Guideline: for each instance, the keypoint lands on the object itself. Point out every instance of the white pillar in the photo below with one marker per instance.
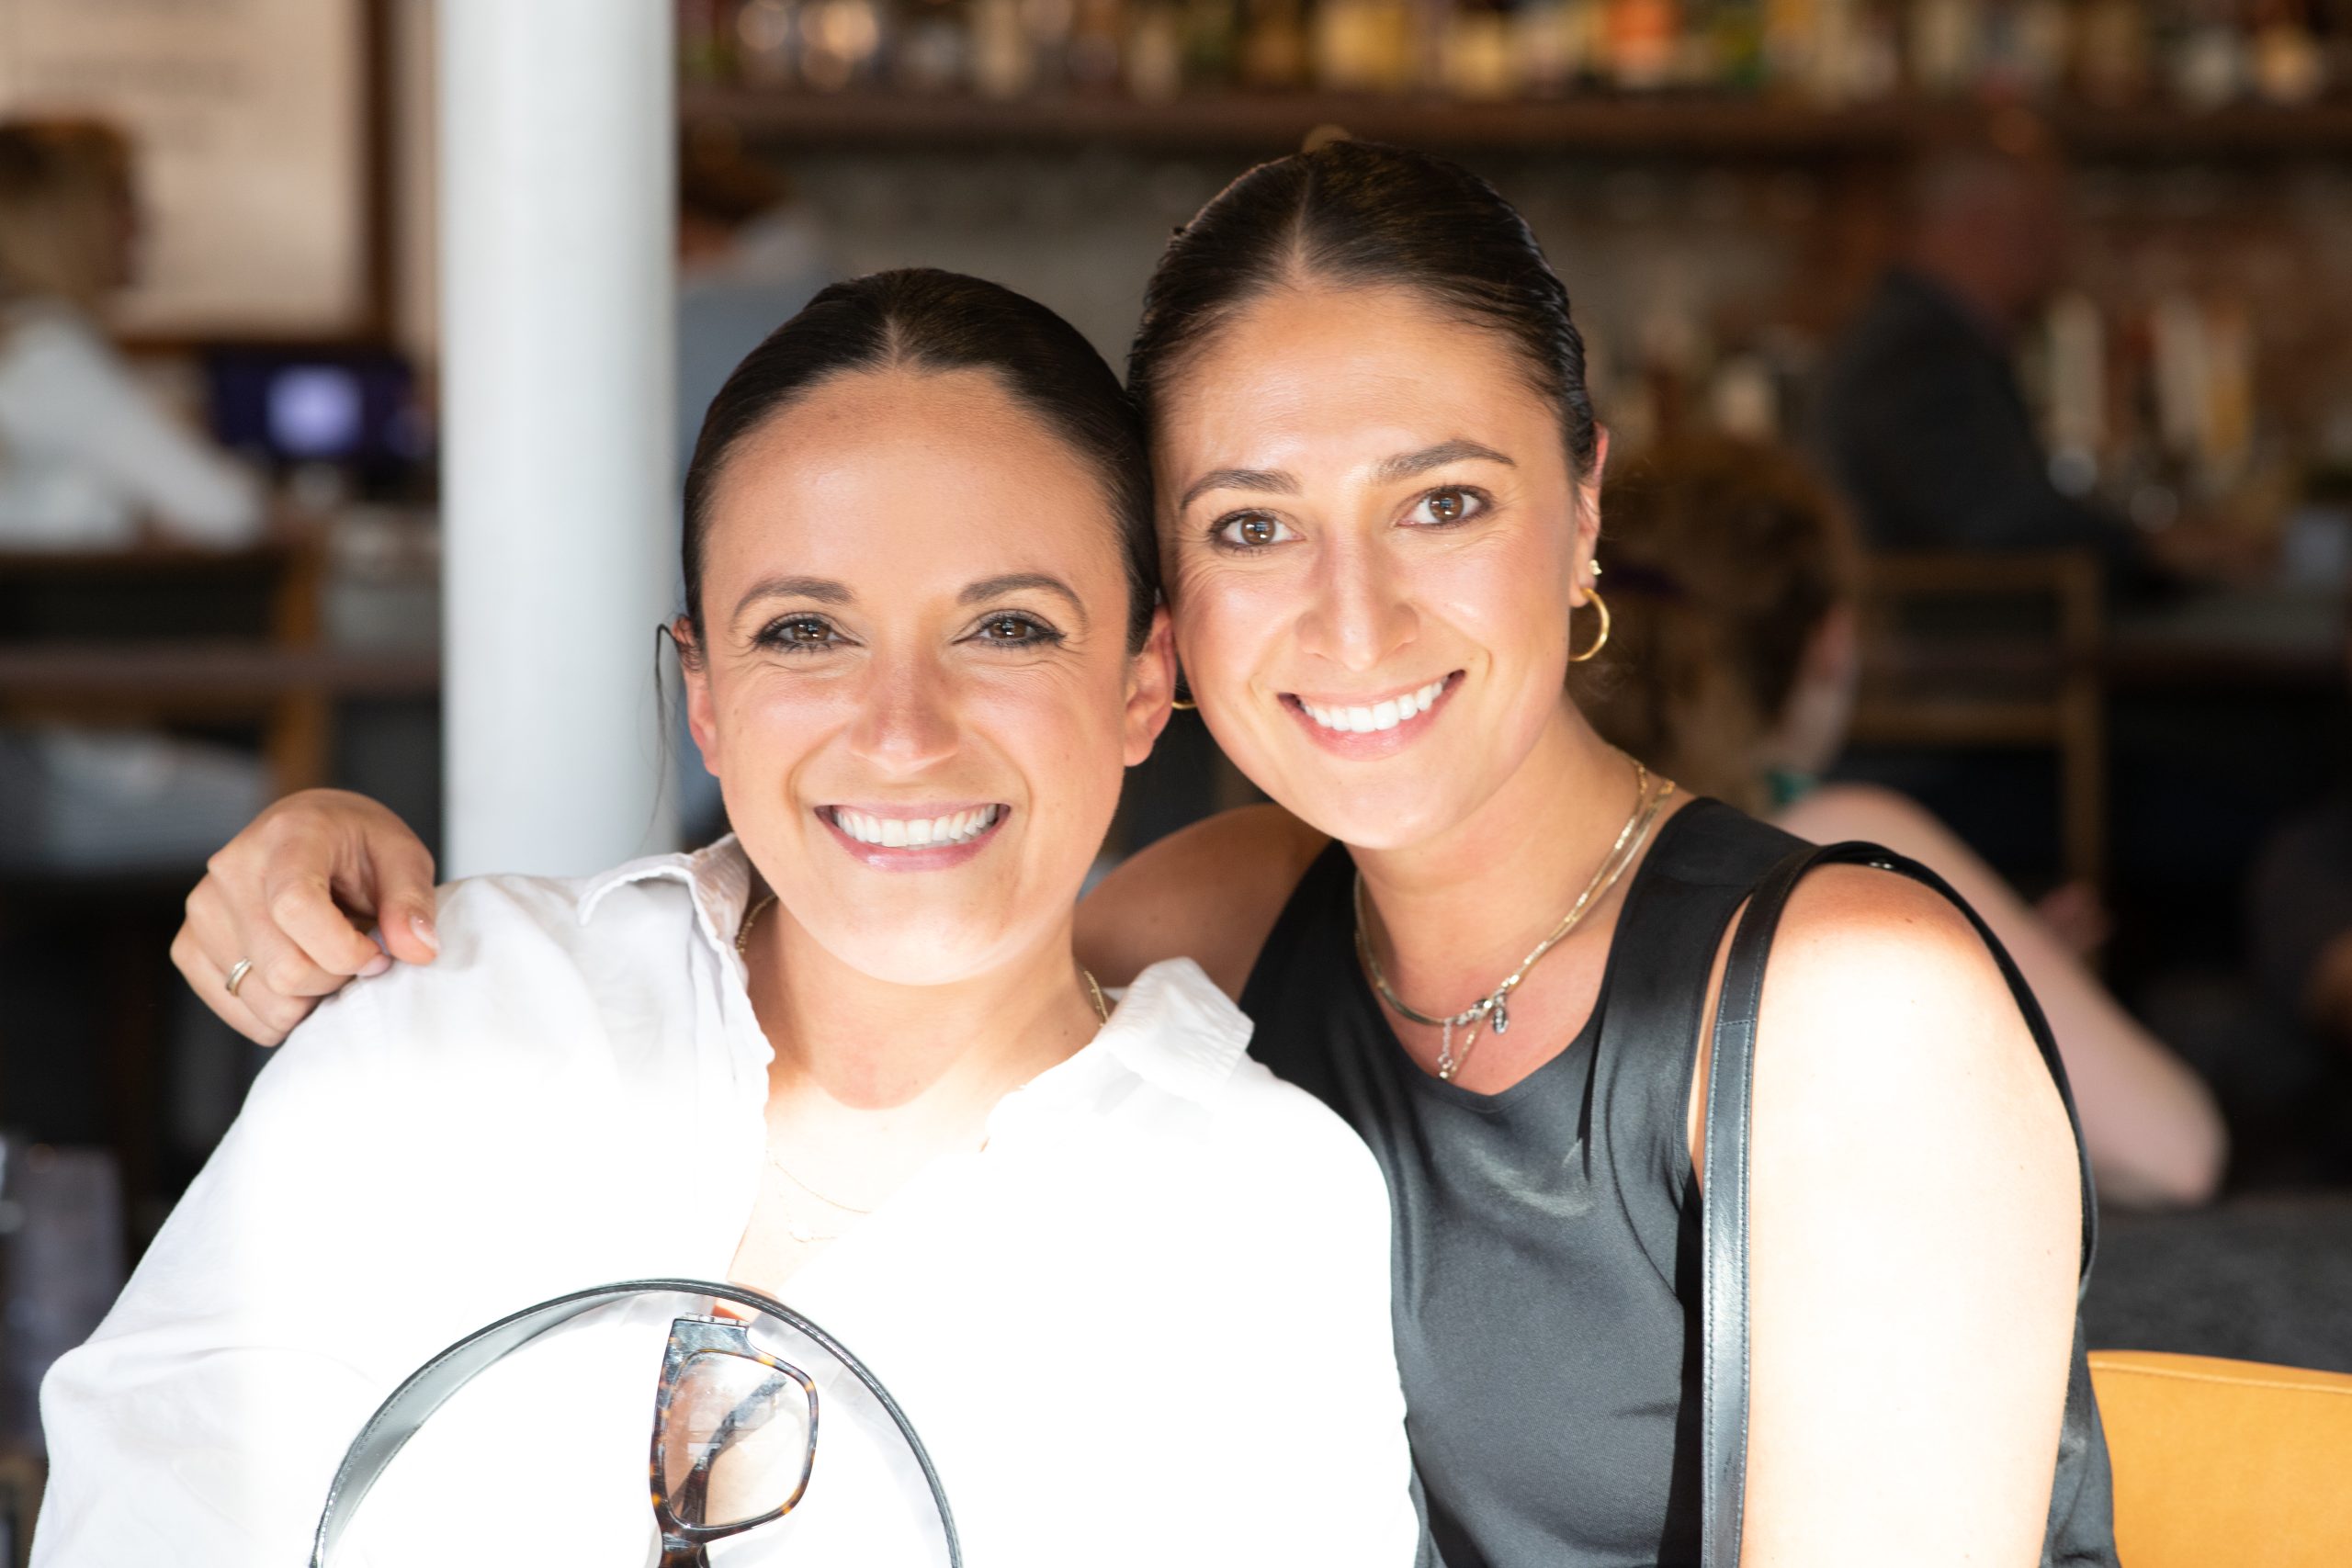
(557, 214)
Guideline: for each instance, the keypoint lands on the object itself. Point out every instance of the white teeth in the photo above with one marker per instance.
(1381, 716)
(914, 832)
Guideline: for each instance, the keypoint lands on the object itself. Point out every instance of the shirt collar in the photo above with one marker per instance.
(1176, 1031)
(719, 876)
(1172, 1028)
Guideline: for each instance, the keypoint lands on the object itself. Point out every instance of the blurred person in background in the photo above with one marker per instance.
(1734, 667)
(1922, 422)
(86, 455)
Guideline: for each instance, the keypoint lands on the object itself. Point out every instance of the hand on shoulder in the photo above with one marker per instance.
(291, 898)
(1210, 892)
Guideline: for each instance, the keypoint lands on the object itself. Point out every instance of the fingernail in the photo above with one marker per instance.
(375, 966)
(425, 932)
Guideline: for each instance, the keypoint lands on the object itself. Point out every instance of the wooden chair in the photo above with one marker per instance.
(2226, 1464)
(1966, 651)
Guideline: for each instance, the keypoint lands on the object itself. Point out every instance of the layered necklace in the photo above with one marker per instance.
(1495, 1006)
(806, 1235)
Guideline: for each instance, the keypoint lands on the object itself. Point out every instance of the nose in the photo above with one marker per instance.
(1361, 609)
(905, 714)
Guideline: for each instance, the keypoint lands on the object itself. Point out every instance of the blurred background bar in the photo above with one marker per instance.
(2053, 296)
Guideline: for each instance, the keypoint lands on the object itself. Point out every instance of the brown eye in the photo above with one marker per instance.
(1441, 507)
(1012, 630)
(808, 633)
(1250, 531)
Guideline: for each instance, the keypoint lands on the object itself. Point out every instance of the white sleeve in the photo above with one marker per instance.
(202, 1423)
(65, 395)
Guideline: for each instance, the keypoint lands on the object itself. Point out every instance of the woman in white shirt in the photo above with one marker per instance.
(1133, 1292)
(87, 456)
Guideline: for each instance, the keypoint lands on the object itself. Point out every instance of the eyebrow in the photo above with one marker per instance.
(824, 589)
(1404, 466)
(1266, 482)
(1015, 582)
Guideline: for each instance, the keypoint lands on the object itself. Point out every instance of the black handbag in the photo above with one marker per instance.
(2081, 1529)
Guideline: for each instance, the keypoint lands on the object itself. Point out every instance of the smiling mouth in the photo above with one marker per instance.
(1373, 718)
(949, 830)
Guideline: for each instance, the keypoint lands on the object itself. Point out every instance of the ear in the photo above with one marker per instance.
(1587, 540)
(1151, 687)
(695, 670)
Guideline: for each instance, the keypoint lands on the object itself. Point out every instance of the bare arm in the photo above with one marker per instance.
(2154, 1135)
(1916, 1219)
(1210, 892)
(296, 893)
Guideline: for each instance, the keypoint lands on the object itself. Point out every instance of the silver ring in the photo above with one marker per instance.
(237, 976)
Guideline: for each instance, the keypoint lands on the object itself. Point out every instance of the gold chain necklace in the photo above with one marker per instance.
(800, 1233)
(1496, 1004)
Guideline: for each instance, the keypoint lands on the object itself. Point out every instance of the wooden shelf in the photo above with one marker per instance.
(209, 676)
(1733, 128)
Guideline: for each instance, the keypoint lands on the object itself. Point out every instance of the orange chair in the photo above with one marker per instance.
(2226, 1464)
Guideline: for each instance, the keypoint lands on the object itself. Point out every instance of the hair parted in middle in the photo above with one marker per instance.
(1360, 214)
(926, 319)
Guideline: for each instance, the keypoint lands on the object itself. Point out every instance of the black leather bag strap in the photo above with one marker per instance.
(1722, 1473)
(1722, 1431)
(431, 1386)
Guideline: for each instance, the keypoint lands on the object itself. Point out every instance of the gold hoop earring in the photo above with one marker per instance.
(1602, 640)
(1181, 701)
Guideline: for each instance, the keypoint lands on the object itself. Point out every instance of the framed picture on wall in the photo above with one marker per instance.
(249, 123)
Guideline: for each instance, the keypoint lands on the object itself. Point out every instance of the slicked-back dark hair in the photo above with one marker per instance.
(922, 319)
(1362, 214)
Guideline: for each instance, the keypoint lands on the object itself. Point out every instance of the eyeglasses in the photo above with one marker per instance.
(734, 1438)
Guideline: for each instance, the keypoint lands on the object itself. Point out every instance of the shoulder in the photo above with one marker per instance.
(531, 966)
(1883, 1010)
(1270, 1142)
(1210, 892)
(48, 348)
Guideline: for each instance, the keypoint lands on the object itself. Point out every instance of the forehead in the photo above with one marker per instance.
(1327, 369)
(886, 469)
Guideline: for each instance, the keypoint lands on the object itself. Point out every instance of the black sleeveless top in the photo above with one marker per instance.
(1546, 1257)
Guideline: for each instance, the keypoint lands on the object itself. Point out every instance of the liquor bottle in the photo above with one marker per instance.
(1364, 46)
(841, 43)
(2111, 52)
(1642, 37)
(1097, 45)
(1548, 37)
(1477, 60)
(931, 48)
(704, 45)
(1004, 65)
(766, 33)
(1273, 45)
(1155, 53)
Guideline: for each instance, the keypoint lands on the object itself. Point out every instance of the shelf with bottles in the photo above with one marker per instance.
(2251, 72)
(1268, 123)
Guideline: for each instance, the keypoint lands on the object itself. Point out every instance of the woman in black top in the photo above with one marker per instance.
(1379, 486)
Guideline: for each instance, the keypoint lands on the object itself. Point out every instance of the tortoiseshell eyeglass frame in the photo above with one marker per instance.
(683, 1544)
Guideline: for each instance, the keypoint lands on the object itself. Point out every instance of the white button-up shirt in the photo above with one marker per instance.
(1148, 1324)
